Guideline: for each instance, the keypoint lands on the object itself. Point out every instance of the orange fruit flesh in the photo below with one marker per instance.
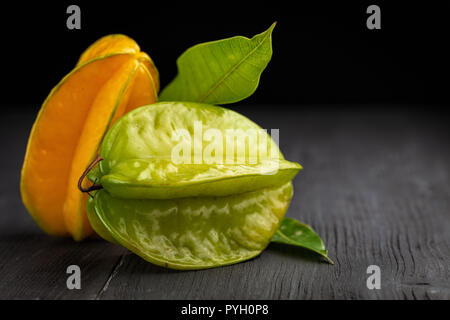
(69, 129)
(52, 142)
(110, 44)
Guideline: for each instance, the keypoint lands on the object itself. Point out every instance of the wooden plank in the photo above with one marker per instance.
(376, 187)
(33, 266)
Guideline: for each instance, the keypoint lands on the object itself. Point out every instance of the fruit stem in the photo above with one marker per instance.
(95, 186)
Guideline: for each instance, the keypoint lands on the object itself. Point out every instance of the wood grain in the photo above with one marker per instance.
(375, 186)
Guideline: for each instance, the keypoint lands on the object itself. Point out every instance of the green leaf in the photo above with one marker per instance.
(220, 72)
(295, 233)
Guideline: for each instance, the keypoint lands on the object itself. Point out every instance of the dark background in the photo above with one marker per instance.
(323, 52)
(363, 111)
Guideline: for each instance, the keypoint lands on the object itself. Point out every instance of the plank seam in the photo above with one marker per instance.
(113, 273)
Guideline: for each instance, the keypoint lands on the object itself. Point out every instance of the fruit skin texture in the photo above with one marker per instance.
(111, 78)
(186, 216)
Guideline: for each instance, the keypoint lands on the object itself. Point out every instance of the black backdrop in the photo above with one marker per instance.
(323, 52)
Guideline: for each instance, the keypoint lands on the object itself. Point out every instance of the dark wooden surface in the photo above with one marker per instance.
(375, 186)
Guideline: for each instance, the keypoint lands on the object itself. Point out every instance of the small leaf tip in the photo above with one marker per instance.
(272, 26)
